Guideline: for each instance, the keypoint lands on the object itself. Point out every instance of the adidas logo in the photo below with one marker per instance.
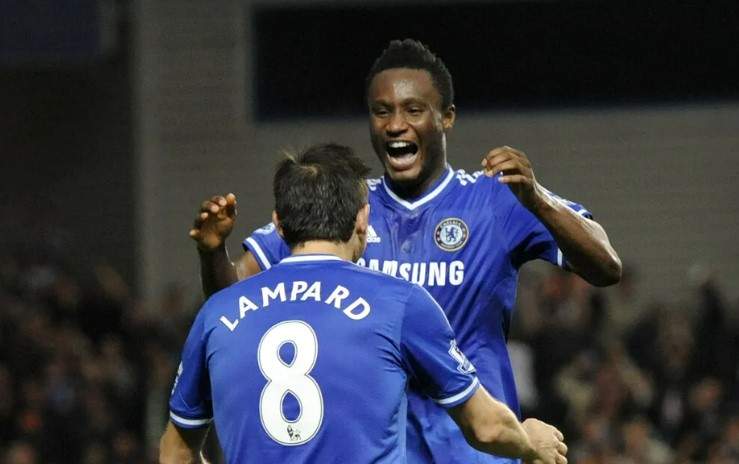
(372, 236)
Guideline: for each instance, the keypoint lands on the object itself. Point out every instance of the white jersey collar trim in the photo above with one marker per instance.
(424, 199)
(310, 258)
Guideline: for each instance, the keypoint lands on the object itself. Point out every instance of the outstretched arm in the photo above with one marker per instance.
(212, 226)
(583, 242)
(491, 427)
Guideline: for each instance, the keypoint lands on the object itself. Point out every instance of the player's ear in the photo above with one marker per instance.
(449, 116)
(276, 222)
(362, 220)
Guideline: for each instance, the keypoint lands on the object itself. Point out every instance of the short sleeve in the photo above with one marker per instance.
(431, 354)
(529, 239)
(267, 246)
(190, 404)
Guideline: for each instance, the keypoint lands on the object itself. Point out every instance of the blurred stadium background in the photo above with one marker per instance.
(119, 117)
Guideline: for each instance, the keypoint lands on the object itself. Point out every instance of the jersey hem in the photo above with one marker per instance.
(460, 397)
(188, 423)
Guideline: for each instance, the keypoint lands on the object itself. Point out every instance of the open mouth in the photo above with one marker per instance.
(401, 154)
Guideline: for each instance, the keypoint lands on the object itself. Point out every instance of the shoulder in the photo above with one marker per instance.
(477, 183)
(373, 183)
(482, 193)
(387, 285)
(227, 295)
(377, 276)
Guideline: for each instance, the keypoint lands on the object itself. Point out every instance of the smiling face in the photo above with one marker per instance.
(408, 128)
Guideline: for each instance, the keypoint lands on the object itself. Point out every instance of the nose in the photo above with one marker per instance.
(397, 124)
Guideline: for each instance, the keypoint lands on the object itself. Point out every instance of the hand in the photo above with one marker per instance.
(516, 172)
(548, 442)
(214, 222)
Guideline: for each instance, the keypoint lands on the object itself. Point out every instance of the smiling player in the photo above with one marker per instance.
(462, 236)
(308, 362)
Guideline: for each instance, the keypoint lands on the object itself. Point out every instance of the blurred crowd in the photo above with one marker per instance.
(85, 368)
(630, 381)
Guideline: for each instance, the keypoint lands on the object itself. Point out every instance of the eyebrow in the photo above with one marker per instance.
(407, 101)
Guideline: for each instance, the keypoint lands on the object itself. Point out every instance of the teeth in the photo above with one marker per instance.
(399, 144)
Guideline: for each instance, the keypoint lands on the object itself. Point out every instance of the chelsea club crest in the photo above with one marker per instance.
(451, 234)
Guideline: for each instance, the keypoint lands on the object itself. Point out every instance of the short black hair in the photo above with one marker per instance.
(319, 192)
(412, 54)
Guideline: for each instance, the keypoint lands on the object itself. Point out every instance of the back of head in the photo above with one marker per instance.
(319, 192)
(412, 54)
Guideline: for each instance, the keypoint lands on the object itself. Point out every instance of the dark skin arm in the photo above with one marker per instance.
(212, 226)
(583, 242)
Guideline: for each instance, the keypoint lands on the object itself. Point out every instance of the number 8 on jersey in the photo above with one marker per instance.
(283, 378)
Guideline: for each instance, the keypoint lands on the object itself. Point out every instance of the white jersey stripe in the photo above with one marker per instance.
(188, 422)
(310, 258)
(475, 383)
(425, 199)
(260, 254)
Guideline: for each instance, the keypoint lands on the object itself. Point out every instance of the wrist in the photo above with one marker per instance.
(530, 455)
(211, 250)
(542, 203)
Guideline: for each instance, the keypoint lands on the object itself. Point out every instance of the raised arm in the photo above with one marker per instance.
(583, 242)
(491, 427)
(212, 226)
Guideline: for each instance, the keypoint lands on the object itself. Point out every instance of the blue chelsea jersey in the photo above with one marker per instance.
(464, 241)
(309, 362)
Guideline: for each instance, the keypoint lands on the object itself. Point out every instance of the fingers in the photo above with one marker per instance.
(231, 205)
(514, 179)
(561, 447)
(199, 220)
(505, 159)
(218, 206)
(504, 152)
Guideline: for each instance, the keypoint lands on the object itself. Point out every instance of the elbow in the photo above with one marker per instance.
(608, 274)
(612, 272)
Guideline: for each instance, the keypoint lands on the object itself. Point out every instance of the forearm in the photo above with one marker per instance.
(490, 426)
(504, 436)
(182, 457)
(216, 270)
(181, 446)
(583, 242)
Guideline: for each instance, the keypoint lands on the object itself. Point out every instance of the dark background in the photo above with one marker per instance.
(503, 55)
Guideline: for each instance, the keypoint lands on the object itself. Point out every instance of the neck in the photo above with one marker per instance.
(341, 249)
(408, 191)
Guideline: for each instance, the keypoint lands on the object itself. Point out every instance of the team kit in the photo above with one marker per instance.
(418, 242)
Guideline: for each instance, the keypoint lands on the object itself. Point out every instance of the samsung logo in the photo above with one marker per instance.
(427, 274)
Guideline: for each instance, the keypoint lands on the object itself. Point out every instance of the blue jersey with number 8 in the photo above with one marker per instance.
(310, 361)
(464, 241)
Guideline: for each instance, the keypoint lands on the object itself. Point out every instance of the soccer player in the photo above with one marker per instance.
(308, 362)
(461, 236)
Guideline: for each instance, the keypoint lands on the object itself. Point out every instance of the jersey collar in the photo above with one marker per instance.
(310, 258)
(432, 193)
